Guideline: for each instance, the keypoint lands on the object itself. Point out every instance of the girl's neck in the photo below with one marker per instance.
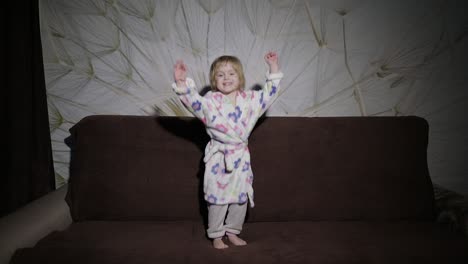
(232, 97)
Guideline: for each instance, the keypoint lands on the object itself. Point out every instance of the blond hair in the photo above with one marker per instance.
(223, 60)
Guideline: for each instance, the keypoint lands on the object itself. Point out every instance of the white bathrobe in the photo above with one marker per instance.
(228, 174)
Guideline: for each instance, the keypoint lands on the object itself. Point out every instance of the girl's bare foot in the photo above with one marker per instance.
(219, 244)
(235, 240)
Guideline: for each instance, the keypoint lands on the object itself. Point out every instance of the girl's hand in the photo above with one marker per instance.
(180, 73)
(271, 59)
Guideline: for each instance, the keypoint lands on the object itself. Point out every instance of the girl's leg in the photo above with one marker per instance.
(234, 221)
(216, 231)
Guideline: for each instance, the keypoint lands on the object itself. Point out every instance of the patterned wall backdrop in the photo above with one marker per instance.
(340, 58)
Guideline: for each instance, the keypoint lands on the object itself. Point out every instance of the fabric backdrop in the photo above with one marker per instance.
(340, 58)
(27, 166)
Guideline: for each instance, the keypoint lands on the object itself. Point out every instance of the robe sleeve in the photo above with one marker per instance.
(192, 100)
(269, 93)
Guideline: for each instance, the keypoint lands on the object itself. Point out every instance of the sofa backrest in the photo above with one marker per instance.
(323, 168)
(341, 168)
(136, 168)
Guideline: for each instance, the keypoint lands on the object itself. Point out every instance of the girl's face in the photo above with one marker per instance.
(227, 79)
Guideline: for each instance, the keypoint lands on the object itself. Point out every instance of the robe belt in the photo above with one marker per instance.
(231, 151)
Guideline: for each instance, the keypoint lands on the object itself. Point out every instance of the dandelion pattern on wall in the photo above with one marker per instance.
(339, 57)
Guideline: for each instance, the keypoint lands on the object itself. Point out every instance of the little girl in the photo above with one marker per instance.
(229, 114)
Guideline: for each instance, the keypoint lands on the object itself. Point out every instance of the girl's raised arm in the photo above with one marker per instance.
(180, 73)
(271, 88)
(185, 89)
(271, 59)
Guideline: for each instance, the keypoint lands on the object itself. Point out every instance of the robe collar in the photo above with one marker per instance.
(232, 114)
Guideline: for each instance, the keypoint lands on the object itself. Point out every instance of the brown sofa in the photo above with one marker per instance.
(327, 190)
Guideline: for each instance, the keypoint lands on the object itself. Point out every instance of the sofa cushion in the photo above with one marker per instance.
(356, 242)
(136, 168)
(112, 242)
(341, 168)
(272, 242)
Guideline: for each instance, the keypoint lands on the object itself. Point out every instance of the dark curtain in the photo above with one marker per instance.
(28, 162)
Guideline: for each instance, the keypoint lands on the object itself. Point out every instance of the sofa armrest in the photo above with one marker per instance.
(451, 209)
(26, 226)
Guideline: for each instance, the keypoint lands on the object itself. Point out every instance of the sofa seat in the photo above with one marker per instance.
(269, 242)
(356, 242)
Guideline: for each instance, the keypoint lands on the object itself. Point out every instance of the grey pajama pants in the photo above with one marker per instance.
(219, 223)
